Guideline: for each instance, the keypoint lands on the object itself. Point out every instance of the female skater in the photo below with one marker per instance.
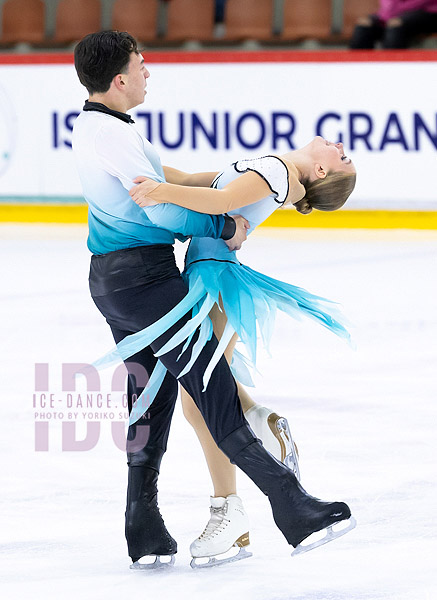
(237, 298)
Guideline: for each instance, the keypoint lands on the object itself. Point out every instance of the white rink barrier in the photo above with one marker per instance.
(206, 109)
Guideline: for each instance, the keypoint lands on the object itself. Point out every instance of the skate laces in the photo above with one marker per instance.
(217, 523)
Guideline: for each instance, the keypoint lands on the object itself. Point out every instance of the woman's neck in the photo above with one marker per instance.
(301, 162)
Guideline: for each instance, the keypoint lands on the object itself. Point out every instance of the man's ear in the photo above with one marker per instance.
(119, 82)
(320, 171)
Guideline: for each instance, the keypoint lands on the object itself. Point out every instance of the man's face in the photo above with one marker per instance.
(136, 80)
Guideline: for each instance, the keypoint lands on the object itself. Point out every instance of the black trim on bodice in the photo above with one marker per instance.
(215, 260)
(262, 176)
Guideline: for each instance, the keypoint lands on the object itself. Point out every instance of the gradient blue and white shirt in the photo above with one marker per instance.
(109, 154)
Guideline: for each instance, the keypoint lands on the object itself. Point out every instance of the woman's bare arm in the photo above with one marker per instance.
(192, 179)
(246, 189)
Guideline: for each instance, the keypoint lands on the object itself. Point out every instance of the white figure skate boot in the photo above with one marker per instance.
(274, 432)
(228, 528)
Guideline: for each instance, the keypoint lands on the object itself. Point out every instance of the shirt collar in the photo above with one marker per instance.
(97, 106)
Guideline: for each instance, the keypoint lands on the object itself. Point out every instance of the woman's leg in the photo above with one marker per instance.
(270, 427)
(245, 399)
(226, 506)
(267, 425)
(223, 473)
(228, 525)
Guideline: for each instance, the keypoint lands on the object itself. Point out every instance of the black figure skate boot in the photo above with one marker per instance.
(296, 513)
(146, 533)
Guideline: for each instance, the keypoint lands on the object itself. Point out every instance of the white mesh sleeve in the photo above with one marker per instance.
(272, 170)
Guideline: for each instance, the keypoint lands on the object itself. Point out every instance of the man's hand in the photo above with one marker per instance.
(139, 193)
(240, 236)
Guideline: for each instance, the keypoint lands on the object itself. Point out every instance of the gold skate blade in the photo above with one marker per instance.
(220, 559)
(157, 563)
(330, 535)
(289, 454)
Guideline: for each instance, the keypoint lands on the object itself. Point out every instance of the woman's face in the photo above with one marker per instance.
(330, 156)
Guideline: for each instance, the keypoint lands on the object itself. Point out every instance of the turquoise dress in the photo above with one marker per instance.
(250, 299)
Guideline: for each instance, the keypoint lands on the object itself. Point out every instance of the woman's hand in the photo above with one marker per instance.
(140, 192)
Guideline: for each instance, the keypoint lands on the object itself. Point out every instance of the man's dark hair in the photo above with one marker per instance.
(100, 56)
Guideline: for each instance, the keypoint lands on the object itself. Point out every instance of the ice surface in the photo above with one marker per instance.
(364, 421)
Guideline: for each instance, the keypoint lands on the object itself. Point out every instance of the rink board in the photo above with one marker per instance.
(360, 98)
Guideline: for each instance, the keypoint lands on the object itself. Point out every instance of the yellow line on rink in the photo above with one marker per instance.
(355, 219)
(44, 213)
(343, 219)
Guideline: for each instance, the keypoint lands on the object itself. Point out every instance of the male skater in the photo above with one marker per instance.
(134, 282)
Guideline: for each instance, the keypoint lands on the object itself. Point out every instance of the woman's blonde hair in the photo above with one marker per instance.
(327, 194)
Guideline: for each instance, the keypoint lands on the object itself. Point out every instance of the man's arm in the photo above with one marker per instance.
(186, 222)
(131, 159)
(233, 230)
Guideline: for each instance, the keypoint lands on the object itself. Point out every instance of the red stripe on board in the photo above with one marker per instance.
(232, 56)
(36, 59)
(292, 56)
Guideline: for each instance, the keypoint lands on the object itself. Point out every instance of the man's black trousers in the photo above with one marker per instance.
(133, 288)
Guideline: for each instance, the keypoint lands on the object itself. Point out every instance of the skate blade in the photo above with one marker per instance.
(330, 536)
(156, 564)
(213, 561)
(289, 456)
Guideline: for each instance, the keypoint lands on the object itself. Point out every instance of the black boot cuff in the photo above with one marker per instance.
(147, 457)
(237, 441)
